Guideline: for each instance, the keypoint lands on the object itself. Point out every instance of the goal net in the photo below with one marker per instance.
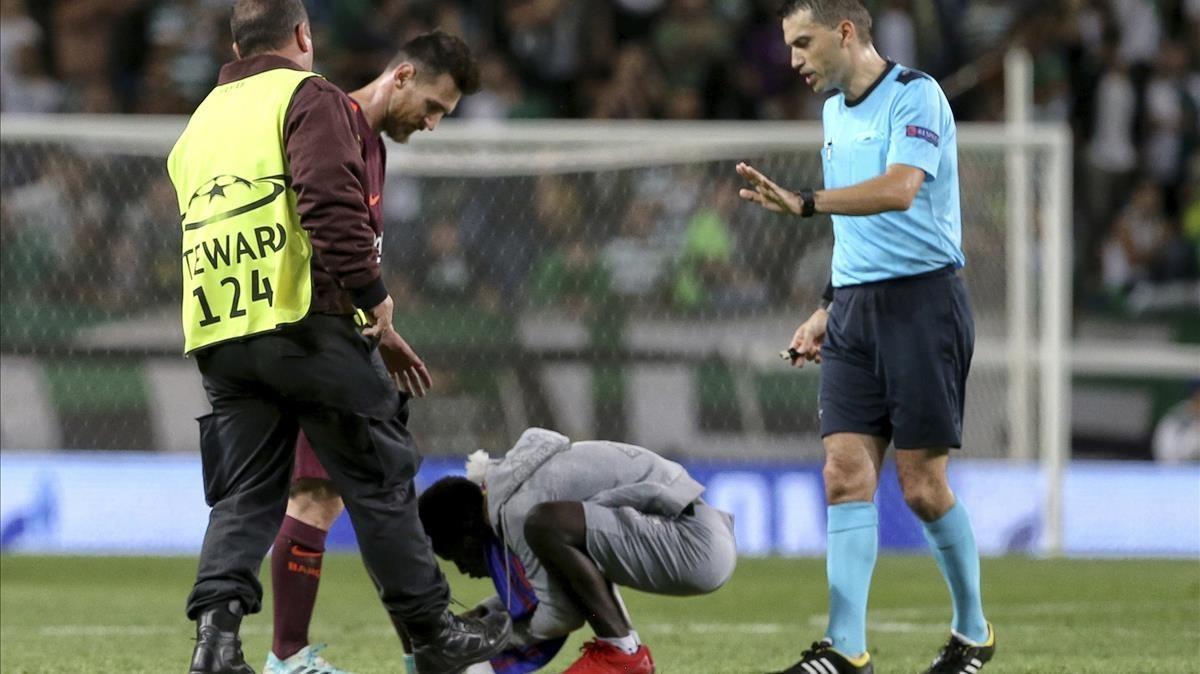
(599, 278)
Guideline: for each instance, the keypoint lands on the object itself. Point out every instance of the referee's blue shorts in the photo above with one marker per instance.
(895, 360)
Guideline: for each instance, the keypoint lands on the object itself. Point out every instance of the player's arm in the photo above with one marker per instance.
(328, 174)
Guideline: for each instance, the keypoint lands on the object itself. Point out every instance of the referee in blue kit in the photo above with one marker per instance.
(895, 334)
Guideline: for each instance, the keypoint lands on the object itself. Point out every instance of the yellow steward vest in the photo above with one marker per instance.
(246, 259)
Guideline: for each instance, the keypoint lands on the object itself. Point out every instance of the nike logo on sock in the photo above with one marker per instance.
(301, 552)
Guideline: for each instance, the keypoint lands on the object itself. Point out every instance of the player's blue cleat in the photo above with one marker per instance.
(821, 658)
(304, 661)
(961, 657)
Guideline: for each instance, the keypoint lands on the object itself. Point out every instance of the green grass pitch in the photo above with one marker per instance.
(78, 614)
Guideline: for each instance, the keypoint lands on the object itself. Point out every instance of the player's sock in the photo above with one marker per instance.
(953, 544)
(628, 643)
(295, 575)
(853, 544)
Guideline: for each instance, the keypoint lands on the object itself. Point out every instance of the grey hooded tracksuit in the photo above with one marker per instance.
(646, 525)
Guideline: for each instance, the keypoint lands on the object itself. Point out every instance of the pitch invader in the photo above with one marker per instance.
(558, 525)
(895, 333)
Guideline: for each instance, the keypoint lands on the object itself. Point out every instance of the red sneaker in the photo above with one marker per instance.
(601, 657)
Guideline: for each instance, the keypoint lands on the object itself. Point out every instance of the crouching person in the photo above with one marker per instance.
(558, 525)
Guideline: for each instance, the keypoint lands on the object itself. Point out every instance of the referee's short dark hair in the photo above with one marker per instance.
(440, 53)
(264, 25)
(830, 13)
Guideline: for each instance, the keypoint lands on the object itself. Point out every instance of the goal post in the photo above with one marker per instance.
(682, 357)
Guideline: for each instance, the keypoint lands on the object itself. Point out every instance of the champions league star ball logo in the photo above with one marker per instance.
(218, 186)
(226, 196)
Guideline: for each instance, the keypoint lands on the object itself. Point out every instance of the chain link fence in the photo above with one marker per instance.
(603, 287)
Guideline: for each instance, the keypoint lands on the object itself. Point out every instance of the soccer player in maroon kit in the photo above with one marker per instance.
(420, 85)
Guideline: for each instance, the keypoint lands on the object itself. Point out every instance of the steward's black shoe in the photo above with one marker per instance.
(218, 648)
(820, 658)
(960, 657)
(450, 643)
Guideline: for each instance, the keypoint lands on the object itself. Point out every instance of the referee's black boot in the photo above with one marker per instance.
(218, 648)
(821, 658)
(449, 644)
(959, 656)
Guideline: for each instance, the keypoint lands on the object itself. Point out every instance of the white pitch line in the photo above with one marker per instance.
(158, 630)
(1011, 610)
(889, 626)
(106, 630)
(893, 627)
(717, 628)
(898, 620)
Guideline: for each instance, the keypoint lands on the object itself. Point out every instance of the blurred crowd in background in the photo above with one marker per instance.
(1125, 74)
(87, 237)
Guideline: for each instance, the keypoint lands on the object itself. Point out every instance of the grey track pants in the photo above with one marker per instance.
(686, 555)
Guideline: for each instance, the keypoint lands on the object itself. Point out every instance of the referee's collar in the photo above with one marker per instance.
(887, 69)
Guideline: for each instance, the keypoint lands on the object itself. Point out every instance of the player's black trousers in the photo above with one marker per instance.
(323, 376)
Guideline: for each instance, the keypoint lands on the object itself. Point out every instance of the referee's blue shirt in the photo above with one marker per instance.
(904, 118)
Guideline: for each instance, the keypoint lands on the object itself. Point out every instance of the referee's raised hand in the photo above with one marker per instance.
(766, 193)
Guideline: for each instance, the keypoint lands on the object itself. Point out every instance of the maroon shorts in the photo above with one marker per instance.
(307, 465)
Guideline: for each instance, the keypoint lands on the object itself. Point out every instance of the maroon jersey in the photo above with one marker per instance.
(374, 156)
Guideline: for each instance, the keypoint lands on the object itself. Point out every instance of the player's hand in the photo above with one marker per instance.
(809, 337)
(406, 367)
(766, 193)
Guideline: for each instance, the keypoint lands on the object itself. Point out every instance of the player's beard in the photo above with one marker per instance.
(400, 132)
(396, 127)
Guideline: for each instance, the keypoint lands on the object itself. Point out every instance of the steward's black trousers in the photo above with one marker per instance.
(323, 376)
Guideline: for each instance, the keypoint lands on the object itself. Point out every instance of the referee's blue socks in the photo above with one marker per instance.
(953, 544)
(852, 546)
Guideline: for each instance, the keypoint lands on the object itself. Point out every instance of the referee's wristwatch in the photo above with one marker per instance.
(808, 203)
